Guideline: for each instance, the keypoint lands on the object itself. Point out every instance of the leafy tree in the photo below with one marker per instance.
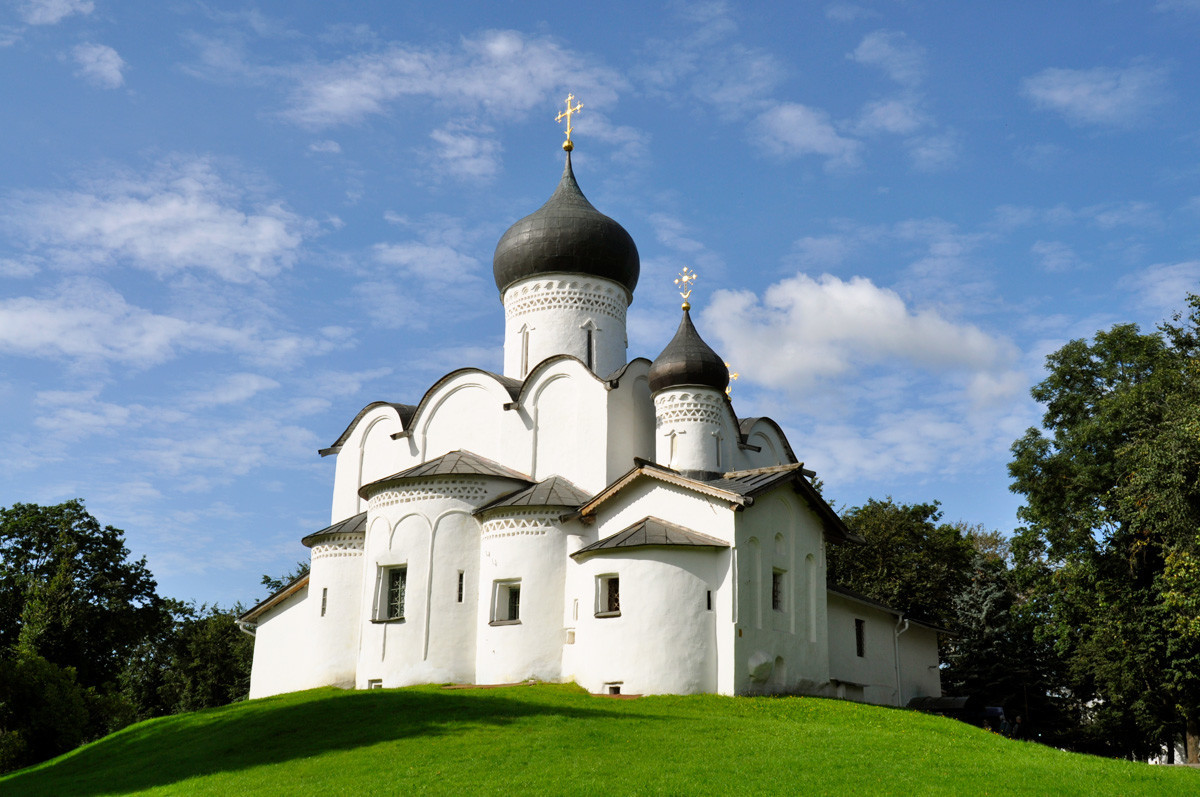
(910, 560)
(43, 710)
(69, 591)
(273, 584)
(1111, 513)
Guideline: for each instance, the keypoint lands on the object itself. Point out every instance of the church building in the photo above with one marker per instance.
(581, 517)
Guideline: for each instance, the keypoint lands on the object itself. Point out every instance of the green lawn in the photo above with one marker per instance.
(555, 739)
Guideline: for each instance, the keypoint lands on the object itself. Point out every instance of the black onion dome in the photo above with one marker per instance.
(566, 235)
(688, 360)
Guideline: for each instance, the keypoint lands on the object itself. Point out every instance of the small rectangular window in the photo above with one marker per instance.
(608, 596)
(777, 590)
(390, 593)
(860, 627)
(375, 683)
(613, 688)
(506, 602)
(460, 586)
(324, 599)
(708, 600)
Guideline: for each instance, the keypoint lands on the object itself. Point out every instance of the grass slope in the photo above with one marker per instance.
(557, 739)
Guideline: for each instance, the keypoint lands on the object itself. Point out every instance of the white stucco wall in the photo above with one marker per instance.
(784, 649)
(695, 430)
(549, 315)
(367, 454)
(427, 527)
(565, 406)
(665, 639)
(282, 648)
(773, 449)
(630, 421)
(876, 669)
(335, 578)
(527, 547)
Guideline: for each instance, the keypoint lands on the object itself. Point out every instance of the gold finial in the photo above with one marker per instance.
(684, 283)
(567, 145)
(733, 375)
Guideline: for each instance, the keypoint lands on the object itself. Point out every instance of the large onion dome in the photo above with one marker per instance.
(566, 235)
(688, 360)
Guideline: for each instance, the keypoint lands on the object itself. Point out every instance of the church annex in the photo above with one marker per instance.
(581, 517)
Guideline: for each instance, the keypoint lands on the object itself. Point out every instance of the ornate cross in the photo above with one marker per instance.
(567, 145)
(733, 376)
(684, 283)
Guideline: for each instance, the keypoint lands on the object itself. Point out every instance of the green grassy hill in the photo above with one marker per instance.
(559, 740)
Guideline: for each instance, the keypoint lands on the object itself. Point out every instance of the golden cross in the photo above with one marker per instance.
(733, 375)
(567, 145)
(684, 283)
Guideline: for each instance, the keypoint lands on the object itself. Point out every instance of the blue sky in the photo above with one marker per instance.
(226, 228)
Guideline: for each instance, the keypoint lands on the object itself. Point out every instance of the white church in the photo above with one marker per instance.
(581, 517)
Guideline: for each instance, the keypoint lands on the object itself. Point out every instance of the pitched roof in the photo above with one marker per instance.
(739, 488)
(652, 532)
(454, 463)
(846, 592)
(554, 491)
(280, 595)
(350, 525)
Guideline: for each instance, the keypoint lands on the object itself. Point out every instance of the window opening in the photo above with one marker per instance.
(589, 346)
(777, 590)
(396, 582)
(324, 599)
(460, 586)
(708, 600)
(613, 689)
(375, 683)
(608, 596)
(860, 636)
(506, 602)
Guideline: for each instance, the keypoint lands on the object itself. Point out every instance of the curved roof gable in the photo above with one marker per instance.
(404, 411)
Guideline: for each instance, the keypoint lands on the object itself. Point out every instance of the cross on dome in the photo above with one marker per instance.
(567, 145)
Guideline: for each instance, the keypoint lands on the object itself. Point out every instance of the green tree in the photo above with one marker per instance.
(1111, 518)
(274, 584)
(910, 560)
(70, 592)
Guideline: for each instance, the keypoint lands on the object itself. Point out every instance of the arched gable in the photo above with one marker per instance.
(471, 409)
(366, 451)
(764, 444)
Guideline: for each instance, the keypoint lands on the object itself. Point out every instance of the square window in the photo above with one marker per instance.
(777, 590)
(860, 629)
(506, 602)
(375, 683)
(608, 595)
(390, 594)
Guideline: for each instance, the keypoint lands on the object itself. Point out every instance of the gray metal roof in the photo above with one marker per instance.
(688, 360)
(652, 531)
(405, 411)
(567, 235)
(350, 525)
(455, 463)
(554, 491)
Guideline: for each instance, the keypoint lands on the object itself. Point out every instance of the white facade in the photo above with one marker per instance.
(560, 522)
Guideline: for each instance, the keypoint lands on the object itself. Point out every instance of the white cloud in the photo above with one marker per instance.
(466, 153)
(51, 12)
(899, 116)
(87, 321)
(1164, 287)
(934, 152)
(232, 389)
(1099, 96)
(827, 327)
(75, 414)
(429, 262)
(901, 59)
(500, 73)
(183, 216)
(848, 12)
(1056, 256)
(793, 130)
(326, 146)
(99, 65)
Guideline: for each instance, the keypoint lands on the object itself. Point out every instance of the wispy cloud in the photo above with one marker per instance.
(467, 153)
(99, 65)
(1164, 287)
(498, 74)
(1056, 256)
(1100, 96)
(51, 12)
(182, 216)
(794, 130)
(901, 59)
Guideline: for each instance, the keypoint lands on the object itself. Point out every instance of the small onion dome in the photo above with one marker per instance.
(566, 235)
(688, 360)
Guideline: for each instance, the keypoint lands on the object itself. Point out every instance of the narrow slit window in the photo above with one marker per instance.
(324, 599)
(777, 589)
(461, 580)
(860, 629)
(708, 600)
